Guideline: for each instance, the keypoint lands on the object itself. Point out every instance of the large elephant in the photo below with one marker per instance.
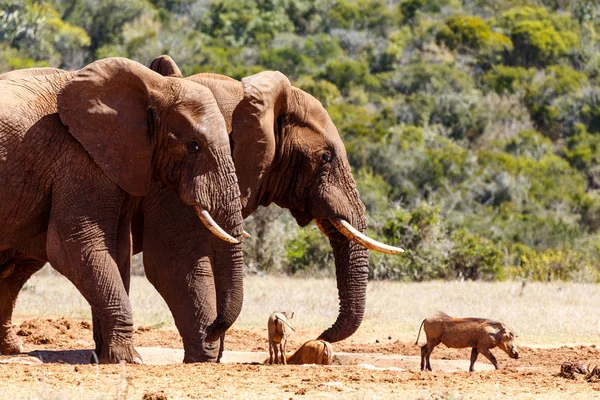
(76, 152)
(286, 151)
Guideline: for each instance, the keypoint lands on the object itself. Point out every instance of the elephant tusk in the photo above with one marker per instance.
(245, 234)
(353, 234)
(212, 225)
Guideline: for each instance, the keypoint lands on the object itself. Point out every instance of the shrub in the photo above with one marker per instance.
(374, 191)
(347, 73)
(326, 92)
(539, 38)
(473, 257)
(462, 115)
(431, 78)
(503, 79)
(552, 264)
(309, 252)
(287, 60)
(472, 34)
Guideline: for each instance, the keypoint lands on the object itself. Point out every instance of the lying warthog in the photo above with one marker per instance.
(479, 333)
(279, 330)
(312, 352)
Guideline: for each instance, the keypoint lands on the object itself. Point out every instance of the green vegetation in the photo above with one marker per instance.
(473, 126)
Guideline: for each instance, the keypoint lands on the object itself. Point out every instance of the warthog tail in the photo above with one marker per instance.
(285, 322)
(417, 342)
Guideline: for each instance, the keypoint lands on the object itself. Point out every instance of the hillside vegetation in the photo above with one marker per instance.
(473, 127)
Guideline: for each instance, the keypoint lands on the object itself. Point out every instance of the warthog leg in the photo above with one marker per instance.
(474, 354)
(488, 354)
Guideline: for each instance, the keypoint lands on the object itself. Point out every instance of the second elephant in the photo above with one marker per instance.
(286, 151)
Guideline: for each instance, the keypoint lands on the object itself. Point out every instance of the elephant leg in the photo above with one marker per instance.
(82, 245)
(178, 259)
(124, 252)
(9, 290)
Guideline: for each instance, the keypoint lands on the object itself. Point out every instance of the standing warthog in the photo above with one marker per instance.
(479, 333)
(279, 330)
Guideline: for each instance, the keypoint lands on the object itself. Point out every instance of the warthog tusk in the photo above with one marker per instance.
(353, 234)
(245, 235)
(213, 226)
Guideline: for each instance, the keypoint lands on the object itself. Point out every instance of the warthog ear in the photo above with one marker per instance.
(505, 335)
(288, 315)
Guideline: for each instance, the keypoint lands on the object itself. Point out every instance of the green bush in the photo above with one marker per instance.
(550, 180)
(326, 92)
(474, 258)
(503, 79)
(347, 73)
(286, 60)
(309, 253)
(431, 78)
(550, 265)
(539, 38)
(471, 33)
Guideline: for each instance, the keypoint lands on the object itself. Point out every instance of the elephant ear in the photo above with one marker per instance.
(106, 107)
(254, 124)
(165, 66)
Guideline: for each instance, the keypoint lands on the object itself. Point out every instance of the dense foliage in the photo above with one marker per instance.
(473, 126)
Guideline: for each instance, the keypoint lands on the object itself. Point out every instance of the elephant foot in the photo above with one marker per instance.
(208, 352)
(11, 344)
(114, 354)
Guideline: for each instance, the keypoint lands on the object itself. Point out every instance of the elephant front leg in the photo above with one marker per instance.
(10, 287)
(82, 245)
(124, 253)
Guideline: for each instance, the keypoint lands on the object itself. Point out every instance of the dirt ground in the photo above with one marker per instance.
(534, 375)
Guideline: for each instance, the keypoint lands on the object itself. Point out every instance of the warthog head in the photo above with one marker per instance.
(506, 341)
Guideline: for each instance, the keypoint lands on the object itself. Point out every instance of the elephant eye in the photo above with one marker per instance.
(193, 147)
(326, 157)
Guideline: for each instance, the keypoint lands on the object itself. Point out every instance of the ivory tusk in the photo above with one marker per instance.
(353, 234)
(245, 234)
(213, 226)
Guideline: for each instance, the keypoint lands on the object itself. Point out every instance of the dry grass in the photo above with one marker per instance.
(539, 314)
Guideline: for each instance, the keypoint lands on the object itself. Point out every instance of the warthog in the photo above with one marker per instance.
(312, 352)
(279, 330)
(479, 333)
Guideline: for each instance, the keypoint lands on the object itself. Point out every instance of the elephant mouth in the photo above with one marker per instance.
(212, 226)
(350, 232)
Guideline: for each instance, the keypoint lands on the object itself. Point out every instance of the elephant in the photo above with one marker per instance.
(286, 151)
(79, 153)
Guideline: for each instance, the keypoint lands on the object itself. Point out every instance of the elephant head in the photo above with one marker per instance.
(167, 129)
(287, 151)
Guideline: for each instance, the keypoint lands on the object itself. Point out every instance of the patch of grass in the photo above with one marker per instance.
(539, 313)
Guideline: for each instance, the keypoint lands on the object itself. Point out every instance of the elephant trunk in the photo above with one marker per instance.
(228, 274)
(352, 269)
(228, 263)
